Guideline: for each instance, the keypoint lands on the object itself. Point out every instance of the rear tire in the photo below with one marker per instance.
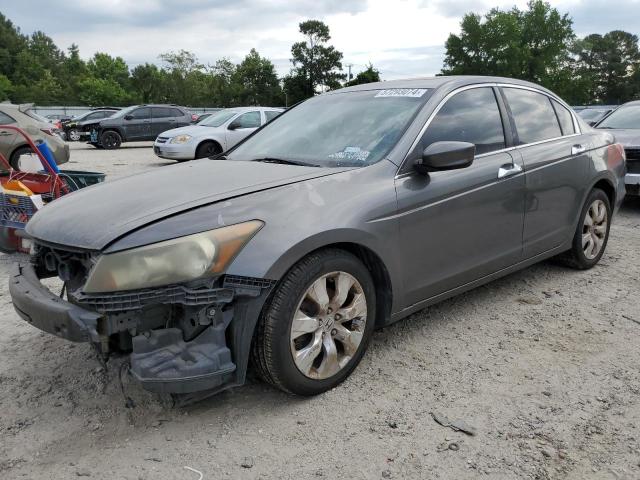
(15, 156)
(110, 140)
(591, 236)
(309, 352)
(208, 149)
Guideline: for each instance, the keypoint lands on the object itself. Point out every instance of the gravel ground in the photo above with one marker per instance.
(544, 364)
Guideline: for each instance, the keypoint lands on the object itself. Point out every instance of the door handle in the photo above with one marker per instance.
(577, 149)
(4, 133)
(508, 170)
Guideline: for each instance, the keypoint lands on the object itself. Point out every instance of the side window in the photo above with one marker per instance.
(6, 119)
(161, 112)
(248, 120)
(271, 114)
(141, 113)
(533, 114)
(93, 116)
(565, 118)
(470, 116)
(176, 113)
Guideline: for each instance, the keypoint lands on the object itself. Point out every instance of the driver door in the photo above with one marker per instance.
(137, 124)
(460, 225)
(242, 126)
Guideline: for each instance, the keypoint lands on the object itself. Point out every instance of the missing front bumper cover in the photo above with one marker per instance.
(161, 359)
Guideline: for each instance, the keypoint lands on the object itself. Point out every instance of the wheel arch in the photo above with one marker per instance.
(209, 140)
(606, 185)
(372, 260)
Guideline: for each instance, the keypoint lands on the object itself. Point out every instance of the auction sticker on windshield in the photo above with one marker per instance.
(402, 92)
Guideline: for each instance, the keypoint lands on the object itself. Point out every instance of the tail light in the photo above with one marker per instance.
(59, 125)
(615, 155)
(194, 117)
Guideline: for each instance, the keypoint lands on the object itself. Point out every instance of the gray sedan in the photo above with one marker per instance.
(346, 213)
(624, 124)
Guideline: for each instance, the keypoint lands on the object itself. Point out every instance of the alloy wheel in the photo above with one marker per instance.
(594, 229)
(328, 325)
(74, 135)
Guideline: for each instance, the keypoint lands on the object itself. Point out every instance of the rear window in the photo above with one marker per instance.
(533, 114)
(271, 114)
(6, 119)
(565, 118)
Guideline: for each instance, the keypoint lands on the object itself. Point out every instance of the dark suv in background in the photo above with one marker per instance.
(76, 127)
(137, 123)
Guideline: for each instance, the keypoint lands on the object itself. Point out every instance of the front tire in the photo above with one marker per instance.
(73, 135)
(591, 236)
(316, 328)
(208, 149)
(111, 140)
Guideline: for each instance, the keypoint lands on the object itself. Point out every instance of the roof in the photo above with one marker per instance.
(437, 82)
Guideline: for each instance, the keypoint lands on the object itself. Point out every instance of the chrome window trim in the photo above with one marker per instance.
(576, 125)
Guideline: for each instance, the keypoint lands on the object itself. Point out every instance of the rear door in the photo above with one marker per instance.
(242, 126)
(138, 127)
(556, 162)
(460, 225)
(162, 119)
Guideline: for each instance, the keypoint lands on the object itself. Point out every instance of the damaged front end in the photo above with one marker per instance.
(183, 338)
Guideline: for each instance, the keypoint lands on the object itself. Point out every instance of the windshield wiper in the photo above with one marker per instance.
(283, 161)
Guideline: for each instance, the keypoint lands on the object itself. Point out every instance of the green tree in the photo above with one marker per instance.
(315, 61)
(257, 81)
(531, 44)
(102, 91)
(73, 70)
(610, 64)
(44, 91)
(6, 88)
(105, 67)
(369, 75)
(147, 83)
(12, 42)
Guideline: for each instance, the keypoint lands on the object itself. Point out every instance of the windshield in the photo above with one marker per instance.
(591, 113)
(623, 117)
(124, 111)
(342, 129)
(217, 119)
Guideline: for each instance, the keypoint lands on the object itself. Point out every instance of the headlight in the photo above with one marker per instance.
(173, 261)
(180, 139)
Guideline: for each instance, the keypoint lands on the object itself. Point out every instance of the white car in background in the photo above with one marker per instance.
(215, 134)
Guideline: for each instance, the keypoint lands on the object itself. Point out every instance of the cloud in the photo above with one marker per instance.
(402, 38)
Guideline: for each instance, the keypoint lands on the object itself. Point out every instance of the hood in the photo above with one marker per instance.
(628, 137)
(96, 216)
(193, 130)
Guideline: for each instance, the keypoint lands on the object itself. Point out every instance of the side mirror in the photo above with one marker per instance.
(445, 156)
(128, 117)
(234, 125)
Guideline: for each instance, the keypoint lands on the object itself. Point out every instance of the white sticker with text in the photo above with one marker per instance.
(402, 92)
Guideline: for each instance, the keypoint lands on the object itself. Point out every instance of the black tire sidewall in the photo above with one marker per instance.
(287, 372)
(578, 253)
(117, 139)
(202, 150)
(13, 161)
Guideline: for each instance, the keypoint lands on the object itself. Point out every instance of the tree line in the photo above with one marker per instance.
(34, 69)
(536, 44)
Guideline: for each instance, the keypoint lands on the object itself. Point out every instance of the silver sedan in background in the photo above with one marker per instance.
(215, 134)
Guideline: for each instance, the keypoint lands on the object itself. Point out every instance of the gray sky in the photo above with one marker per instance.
(402, 38)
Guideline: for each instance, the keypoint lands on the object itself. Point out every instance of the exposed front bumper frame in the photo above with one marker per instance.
(161, 359)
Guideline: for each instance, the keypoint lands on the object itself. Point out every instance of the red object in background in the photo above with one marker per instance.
(194, 117)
